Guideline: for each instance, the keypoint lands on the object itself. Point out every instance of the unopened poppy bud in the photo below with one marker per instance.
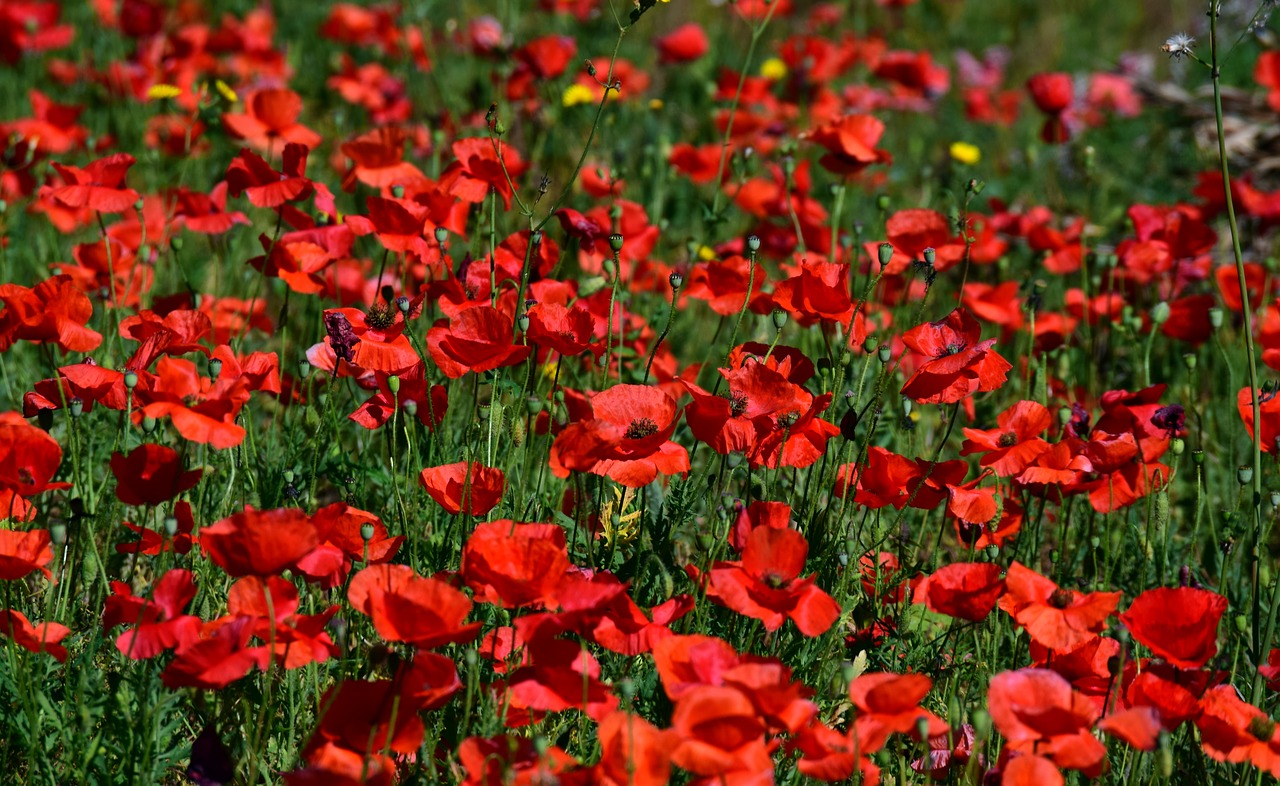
(1160, 313)
(922, 728)
(849, 424)
(289, 476)
(170, 526)
(471, 658)
(779, 318)
(1275, 499)
(403, 305)
(397, 191)
(1244, 474)
(591, 68)
(1053, 556)
(393, 384)
(76, 407)
(615, 242)
(609, 267)
(58, 533)
(704, 541)
(1165, 757)
(882, 202)
(499, 127)
(675, 280)
(981, 720)
(906, 405)
(410, 407)
(366, 531)
(215, 368)
(885, 253)
(149, 424)
(533, 405)
(930, 255)
(625, 688)
(1215, 317)
(1177, 446)
(753, 243)
(1242, 622)
(870, 344)
(442, 235)
(138, 204)
(131, 379)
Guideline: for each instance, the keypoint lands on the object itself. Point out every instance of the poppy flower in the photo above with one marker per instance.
(889, 479)
(22, 553)
(29, 457)
(723, 283)
(515, 565)
(1270, 412)
(1054, 616)
(478, 169)
(1177, 624)
(341, 531)
(685, 44)
(568, 331)
(718, 733)
(150, 474)
(627, 438)
(633, 752)
(152, 542)
(956, 364)
(428, 402)
(55, 310)
(965, 590)
(158, 623)
(271, 114)
(1232, 730)
(1031, 770)
(850, 142)
(425, 612)
(378, 160)
(43, 637)
(1052, 94)
(478, 339)
(1015, 444)
(99, 186)
(372, 340)
(202, 410)
(259, 542)
(30, 27)
(818, 292)
(510, 759)
(249, 174)
(889, 704)
(766, 583)
(474, 486)
(1038, 713)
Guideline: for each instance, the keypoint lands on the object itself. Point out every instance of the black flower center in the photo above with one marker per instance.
(737, 404)
(1262, 728)
(1008, 439)
(380, 317)
(1061, 598)
(954, 348)
(641, 428)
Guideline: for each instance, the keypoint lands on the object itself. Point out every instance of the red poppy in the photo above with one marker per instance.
(55, 310)
(766, 583)
(29, 457)
(890, 479)
(474, 486)
(378, 160)
(633, 752)
(425, 612)
(1054, 616)
(364, 715)
(851, 142)
(271, 114)
(413, 397)
(889, 704)
(1031, 770)
(1038, 713)
(152, 542)
(99, 186)
(151, 474)
(476, 340)
(44, 637)
(1270, 412)
(569, 331)
(956, 364)
(1052, 94)
(250, 175)
(1177, 624)
(202, 410)
(478, 169)
(718, 733)
(341, 531)
(699, 164)
(1231, 730)
(515, 565)
(1015, 444)
(511, 761)
(965, 590)
(22, 553)
(627, 437)
(818, 292)
(259, 542)
(32, 26)
(158, 623)
(685, 44)
(723, 284)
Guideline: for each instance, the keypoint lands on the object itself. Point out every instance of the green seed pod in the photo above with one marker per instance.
(779, 318)
(981, 720)
(1160, 313)
(1160, 510)
(615, 242)
(885, 253)
(870, 344)
(1177, 446)
(393, 384)
(1189, 360)
(1244, 474)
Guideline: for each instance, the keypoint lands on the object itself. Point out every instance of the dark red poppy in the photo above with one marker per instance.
(719, 733)
(685, 44)
(1052, 94)
(1177, 624)
(259, 542)
(151, 474)
(158, 623)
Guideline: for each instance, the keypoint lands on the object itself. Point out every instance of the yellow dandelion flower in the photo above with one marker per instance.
(706, 253)
(965, 153)
(577, 94)
(655, 104)
(773, 69)
(225, 91)
(161, 91)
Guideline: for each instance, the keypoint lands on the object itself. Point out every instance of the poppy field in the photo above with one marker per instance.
(633, 392)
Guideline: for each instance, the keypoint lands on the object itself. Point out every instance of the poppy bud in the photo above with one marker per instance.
(58, 533)
(499, 127)
(130, 379)
(176, 242)
(393, 384)
(149, 424)
(906, 406)
(397, 191)
(533, 405)
(922, 728)
(753, 243)
(1160, 313)
(1189, 360)
(993, 551)
(410, 407)
(170, 526)
(138, 205)
(675, 280)
(849, 424)
(870, 344)
(518, 431)
(76, 407)
(1165, 756)
(882, 202)
(885, 253)
(981, 720)
(1242, 622)
(779, 318)
(615, 242)
(1244, 474)
(609, 267)
(1064, 415)
(1215, 317)
(885, 352)
(215, 368)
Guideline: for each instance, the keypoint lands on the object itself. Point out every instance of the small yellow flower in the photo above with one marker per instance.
(655, 104)
(773, 69)
(577, 94)
(706, 253)
(225, 91)
(161, 91)
(965, 153)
